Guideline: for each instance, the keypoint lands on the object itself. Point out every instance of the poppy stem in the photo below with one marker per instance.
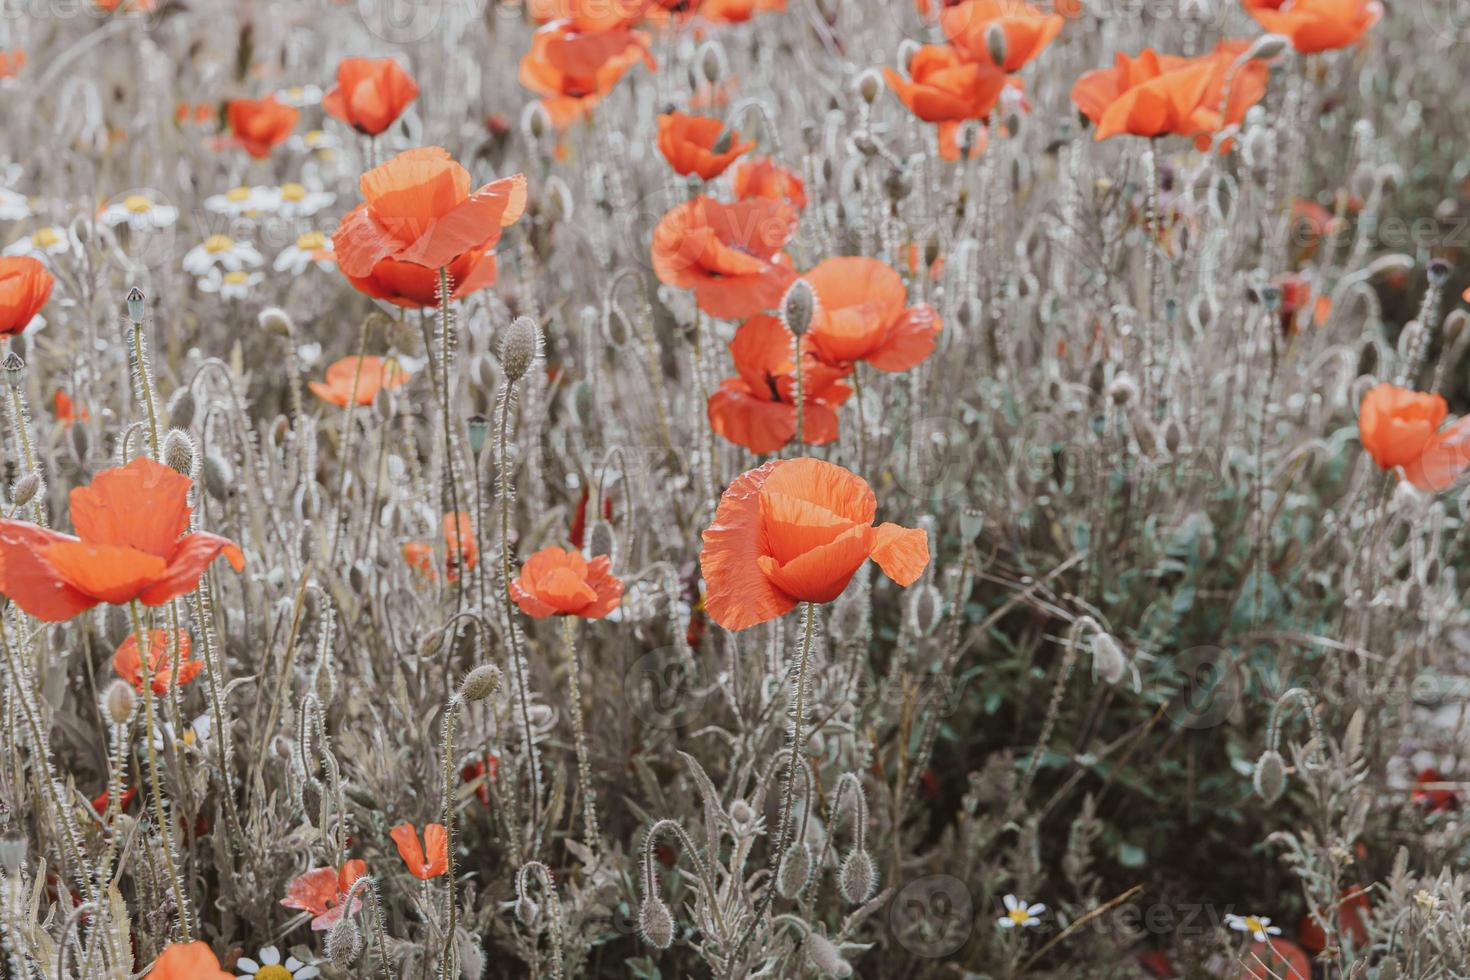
(145, 386)
(584, 767)
(160, 810)
(446, 354)
(800, 395)
(447, 966)
(347, 413)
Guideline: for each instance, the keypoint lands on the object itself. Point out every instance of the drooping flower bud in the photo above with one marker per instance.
(995, 43)
(824, 957)
(25, 489)
(481, 683)
(798, 307)
(178, 452)
(857, 877)
(522, 343)
(1270, 776)
(656, 923)
(795, 871)
(119, 701)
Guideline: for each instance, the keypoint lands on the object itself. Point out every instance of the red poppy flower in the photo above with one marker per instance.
(322, 892)
(129, 665)
(1232, 88)
(763, 177)
(590, 15)
(861, 316)
(579, 517)
(11, 62)
(1351, 911)
(421, 865)
(557, 582)
(729, 254)
(736, 11)
(1279, 959)
(797, 530)
(757, 410)
(370, 94)
(67, 411)
(1027, 29)
(1431, 796)
(260, 124)
(945, 86)
(25, 286)
(461, 551)
(344, 377)
(132, 523)
(103, 800)
(1316, 25)
(698, 144)
(1150, 95)
(187, 961)
(487, 771)
(419, 216)
(569, 95)
(1399, 427)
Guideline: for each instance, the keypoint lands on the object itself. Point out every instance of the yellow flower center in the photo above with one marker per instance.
(215, 244)
(295, 92)
(46, 237)
(311, 241)
(237, 278)
(273, 972)
(313, 137)
(1253, 925)
(188, 736)
(292, 192)
(237, 194)
(137, 204)
(1018, 915)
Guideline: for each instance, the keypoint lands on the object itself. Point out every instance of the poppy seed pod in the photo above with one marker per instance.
(25, 489)
(14, 367)
(1438, 272)
(655, 923)
(522, 343)
(824, 956)
(275, 320)
(1270, 776)
(798, 307)
(478, 429)
(136, 303)
(119, 702)
(481, 683)
(795, 871)
(178, 452)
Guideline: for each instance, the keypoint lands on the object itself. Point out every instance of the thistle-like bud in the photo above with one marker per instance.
(15, 369)
(481, 683)
(995, 43)
(25, 489)
(178, 451)
(119, 701)
(743, 819)
(656, 923)
(869, 84)
(798, 307)
(275, 320)
(857, 877)
(795, 871)
(344, 943)
(824, 957)
(1108, 660)
(136, 303)
(1270, 777)
(519, 349)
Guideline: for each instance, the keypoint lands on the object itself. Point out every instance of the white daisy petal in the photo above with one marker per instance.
(270, 956)
(247, 964)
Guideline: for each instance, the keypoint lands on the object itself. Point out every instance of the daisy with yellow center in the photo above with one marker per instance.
(267, 965)
(233, 285)
(311, 247)
(1258, 926)
(40, 243)
(1019, 914)
(140, 211)
(242, 201)
(222, 251)
(296, 200)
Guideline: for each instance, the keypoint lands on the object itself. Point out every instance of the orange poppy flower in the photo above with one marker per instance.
(1296, 294)
(729, 254)
(1149, 96)
(1316, 25)
(590, 15)
(764, 177)
(67, 411)
(698, 144)
(11, 62)
(374, 375)
(187, 961)
(757, 410)
(558, 582)
(460, 549)
(569, 95)
(1027, 29)
(1399, 427)
(370, 94)
(736, 11)
(25, 286)
(1231, 90)
(129, 665)
(322, 892)
(945, 86)
(436, 842)
(260, 124)
(861, 316)
(797, 530)
(134, 543)
(419, 214)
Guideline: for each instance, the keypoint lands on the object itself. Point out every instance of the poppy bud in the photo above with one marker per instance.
(1108, 660)
(869, 84)
(600, 540)
(519, 349)
(969, 313)
(119, 702)
(857, 877)
(795, 871)
(181, 409)
(798, 307)
(1454, 325)
(178, 452)
(219, 478)
(1123, 389)
(1270, 777)
(926, 608)
(81, 441)
(1173, 437)
(275, 320)
(1439, 272)
(1271, 298)
(1267, 46)
(907, 48)
(15, 369)
(995, 43)
(535, 121)
(712, 62)
(742, 818)
(478, 428)
(528, 911)
(558, 199)
(135, 305)
(344, 943)
(725, 140)
(655, 923)
(824, 956)
(25, 489)
(481, 683)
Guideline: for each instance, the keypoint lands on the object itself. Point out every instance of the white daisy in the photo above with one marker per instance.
(49, 240)
(235, 285)
(196, 733)
(240, 201)
(313, 140)
(1018, 913)
(300, 96)
(300, 201)
(221, 250)
(14, 206)
(310, 247)
(140, 212)
(1257, 925)
(268, 966)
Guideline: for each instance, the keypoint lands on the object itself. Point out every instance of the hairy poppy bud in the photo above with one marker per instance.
(798, 307)
(655, 923)
(275, 320)
(1270, 777)
(25, 489)
(601, 540)
(344, 943)
(1454, 325)
(743, 820)
(119, 702)
(824, 956)
(857, 876)
(1107, 658)
(995, 43)
(528, 911)
(181, 409)
(926, 608)
(795, 871)
(535, 121)
(1267, 46)
(81, 441)
(219, 477)
(558, 199)
(869, 84)
(519, 349)
(711, 59)
(178, 452)
(481, 683)
(907, 48)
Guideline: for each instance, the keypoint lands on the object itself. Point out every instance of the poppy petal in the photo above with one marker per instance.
(822, 573)
(910, 340)
(111, 573)
(738, 595)
(471, 224)
(143, 505)
(1445, 457)
(30, 581)
(902, 553)
(409, 848)
(195, 553)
